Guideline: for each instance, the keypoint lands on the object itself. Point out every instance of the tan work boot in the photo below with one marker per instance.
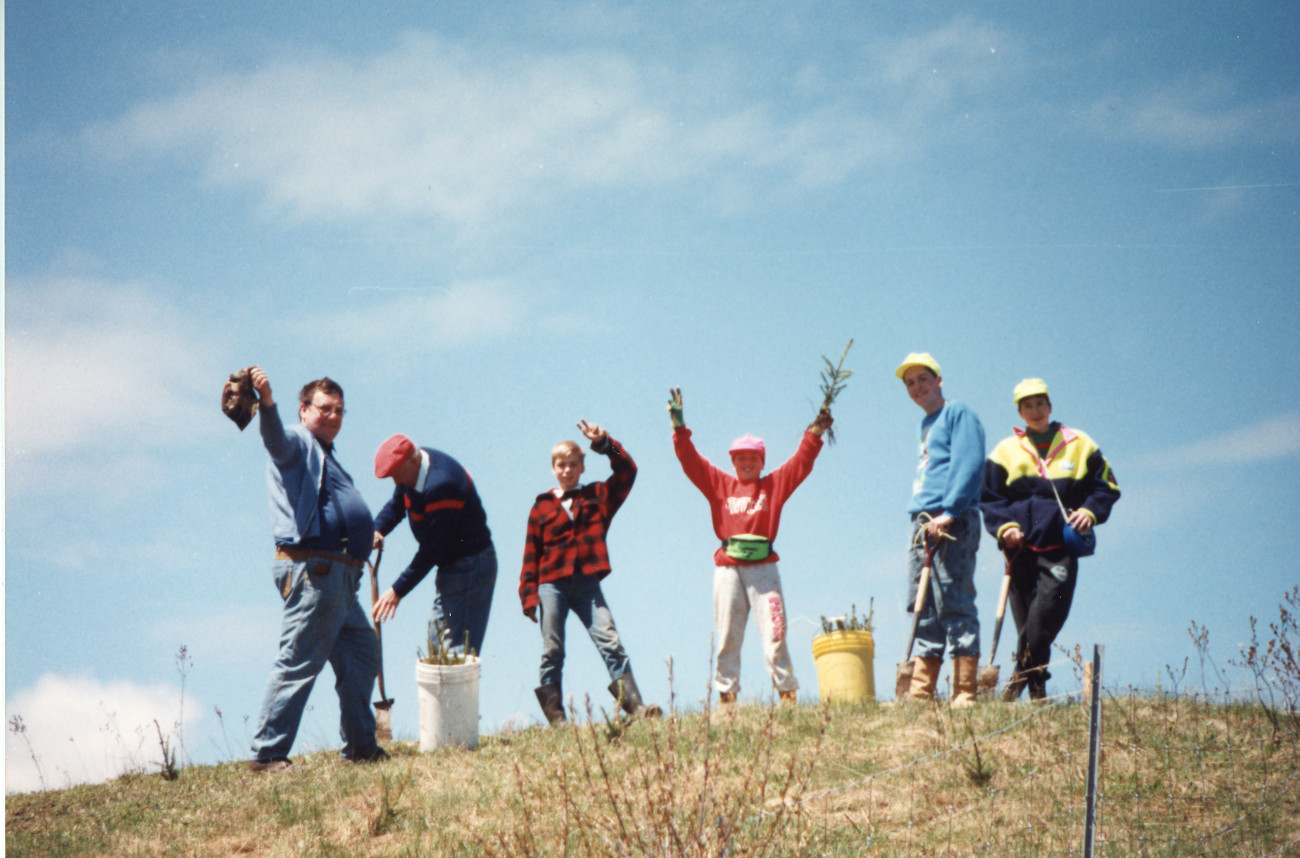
(726, 698)
(789, 698)
(965, 680)
(925, 677)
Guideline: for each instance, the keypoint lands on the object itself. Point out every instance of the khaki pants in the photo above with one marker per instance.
(736, 589)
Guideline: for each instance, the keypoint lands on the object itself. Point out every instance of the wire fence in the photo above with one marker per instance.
(1187, 777)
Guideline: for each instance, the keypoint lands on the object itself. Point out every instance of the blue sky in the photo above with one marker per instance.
(487, 225)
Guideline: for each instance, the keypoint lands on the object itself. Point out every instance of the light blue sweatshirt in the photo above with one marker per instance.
(951, 461)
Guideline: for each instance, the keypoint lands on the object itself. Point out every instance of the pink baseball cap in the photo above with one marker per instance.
(749, 443)
(392, 453)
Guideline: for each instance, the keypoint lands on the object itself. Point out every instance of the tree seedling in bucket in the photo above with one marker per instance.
(852, 622)
(439, 652)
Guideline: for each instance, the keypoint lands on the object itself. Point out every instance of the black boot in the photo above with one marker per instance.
(629, 697)
(1014, 687)
(552, 703)
(1038, 683)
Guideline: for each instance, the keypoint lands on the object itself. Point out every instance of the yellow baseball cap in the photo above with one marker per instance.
(1029, 387)
(918, 359)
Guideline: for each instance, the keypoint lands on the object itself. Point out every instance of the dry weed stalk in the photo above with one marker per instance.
(666, 791)
(1275, 665)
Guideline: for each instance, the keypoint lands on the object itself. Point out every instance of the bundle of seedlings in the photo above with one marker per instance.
(439, 651)
(834, 378)
(850, 622)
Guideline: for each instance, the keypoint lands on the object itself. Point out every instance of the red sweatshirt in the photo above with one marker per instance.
(745, 507)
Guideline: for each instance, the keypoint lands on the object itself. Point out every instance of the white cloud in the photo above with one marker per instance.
(963, 57)
(466, 133)
(1159, 499)
(92, 364)
(439, 318)
(79, 730)
(1201, 113)
(1275, 438)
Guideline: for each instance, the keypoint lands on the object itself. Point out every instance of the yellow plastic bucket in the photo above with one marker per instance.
(844, 671)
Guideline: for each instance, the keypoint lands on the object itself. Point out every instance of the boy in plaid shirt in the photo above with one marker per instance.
(565, 557)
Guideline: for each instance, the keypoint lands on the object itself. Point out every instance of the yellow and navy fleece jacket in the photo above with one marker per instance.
(1016, 492)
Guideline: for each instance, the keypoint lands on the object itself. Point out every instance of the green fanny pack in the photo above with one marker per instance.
(748, 547)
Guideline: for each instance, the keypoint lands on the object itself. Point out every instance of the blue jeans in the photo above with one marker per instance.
(464, 599)
(323, 622)
(582, 595)
(948, 617)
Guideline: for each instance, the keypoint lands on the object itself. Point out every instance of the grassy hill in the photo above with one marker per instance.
(1178, 777)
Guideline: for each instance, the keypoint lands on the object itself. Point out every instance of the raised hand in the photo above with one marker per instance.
(675, 407)
(822, 422)
(592, 432)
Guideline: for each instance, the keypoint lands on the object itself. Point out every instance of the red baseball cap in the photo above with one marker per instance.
(392, 453)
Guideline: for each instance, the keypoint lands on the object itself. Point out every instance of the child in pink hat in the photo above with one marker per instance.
(746, 510)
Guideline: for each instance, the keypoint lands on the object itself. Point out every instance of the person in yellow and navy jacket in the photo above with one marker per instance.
(1044, 490)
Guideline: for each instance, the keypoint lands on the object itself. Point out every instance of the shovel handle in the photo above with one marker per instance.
(921, 589)
(1002, 612)
(1002, 596)
(379, 637)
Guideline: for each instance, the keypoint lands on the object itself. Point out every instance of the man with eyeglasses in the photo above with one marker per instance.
(322, 530)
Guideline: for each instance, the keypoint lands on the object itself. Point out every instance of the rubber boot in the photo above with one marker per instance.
(552, 703)
(1015, 686)
(629, 697)
(965, 680)
(1037, 679)
(925, 677)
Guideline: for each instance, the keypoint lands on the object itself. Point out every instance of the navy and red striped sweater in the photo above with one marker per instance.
(446, 515)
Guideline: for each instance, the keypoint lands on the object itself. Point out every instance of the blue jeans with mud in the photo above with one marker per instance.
(581, 595)
(949, 621)
(323, 623)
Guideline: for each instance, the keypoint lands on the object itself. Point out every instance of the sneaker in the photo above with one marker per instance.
(270, 767)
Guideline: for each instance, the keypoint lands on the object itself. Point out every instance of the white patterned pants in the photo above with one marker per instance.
(737, 589)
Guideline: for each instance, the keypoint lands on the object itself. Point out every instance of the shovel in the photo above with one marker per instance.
(383, 708)
(987, 682)
(903, 678)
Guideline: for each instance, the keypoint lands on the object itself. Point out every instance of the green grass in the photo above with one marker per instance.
(1178, 777)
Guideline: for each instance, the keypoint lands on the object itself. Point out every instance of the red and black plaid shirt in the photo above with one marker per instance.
(561, 544)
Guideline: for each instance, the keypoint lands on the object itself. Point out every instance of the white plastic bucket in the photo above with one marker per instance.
(448, 704)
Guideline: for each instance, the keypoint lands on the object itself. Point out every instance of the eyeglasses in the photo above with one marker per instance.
(329, 410)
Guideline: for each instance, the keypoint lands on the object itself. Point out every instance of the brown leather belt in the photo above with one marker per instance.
(301, 555)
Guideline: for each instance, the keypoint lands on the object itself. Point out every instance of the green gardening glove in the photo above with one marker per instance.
(675, 407)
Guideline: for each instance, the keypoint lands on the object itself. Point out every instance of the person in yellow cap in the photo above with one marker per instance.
(945, 512)
(1045, 488)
